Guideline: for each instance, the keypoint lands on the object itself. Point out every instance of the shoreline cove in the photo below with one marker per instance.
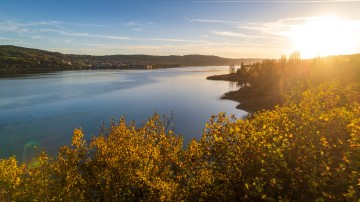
(245, 96)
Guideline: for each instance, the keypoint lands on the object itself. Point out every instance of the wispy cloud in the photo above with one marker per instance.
(137, 26)
(66, 33)
(204, 36)
(125, 38)
(212, 21)
(138, 29)
(22, 42)
(276, 29)
(271, 36)
(252, 29)
(231, 34)
(8, 39)
(131, 23)
(14, 26)
(85, 25)
(36, 37)
(11, 26)
(215, 36)
(170, 40)
(59, 24)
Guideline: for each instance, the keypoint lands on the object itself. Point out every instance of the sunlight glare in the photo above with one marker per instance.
(324, 36)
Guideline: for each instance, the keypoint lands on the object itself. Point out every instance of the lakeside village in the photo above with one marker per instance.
(111, 64)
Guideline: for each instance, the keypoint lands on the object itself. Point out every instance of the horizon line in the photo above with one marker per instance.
(190, 54)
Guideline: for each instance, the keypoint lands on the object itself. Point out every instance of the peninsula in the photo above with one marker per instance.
(263, 85)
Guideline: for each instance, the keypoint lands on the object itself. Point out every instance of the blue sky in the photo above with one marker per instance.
(232, 29)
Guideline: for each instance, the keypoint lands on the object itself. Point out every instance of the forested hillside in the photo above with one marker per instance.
(18, 60)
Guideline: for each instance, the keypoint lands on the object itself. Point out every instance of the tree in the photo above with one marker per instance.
(306, 150)
(123, 163)
(232, 69)
(283, 65)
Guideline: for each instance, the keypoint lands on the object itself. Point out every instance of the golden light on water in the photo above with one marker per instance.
(325, 36)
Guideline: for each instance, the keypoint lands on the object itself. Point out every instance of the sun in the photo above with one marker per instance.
(323, 36)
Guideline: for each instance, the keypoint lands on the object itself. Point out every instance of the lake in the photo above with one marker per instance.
(43, 110)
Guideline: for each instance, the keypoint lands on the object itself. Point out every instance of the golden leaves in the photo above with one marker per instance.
(306, 150)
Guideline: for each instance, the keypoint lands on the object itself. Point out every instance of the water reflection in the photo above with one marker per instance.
(44, 109)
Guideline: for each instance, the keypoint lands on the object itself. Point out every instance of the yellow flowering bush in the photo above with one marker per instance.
(306, 150)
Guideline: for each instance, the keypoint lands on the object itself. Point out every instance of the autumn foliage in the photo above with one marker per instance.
(306, 150)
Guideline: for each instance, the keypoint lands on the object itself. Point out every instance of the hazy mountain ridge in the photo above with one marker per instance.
(14, 59)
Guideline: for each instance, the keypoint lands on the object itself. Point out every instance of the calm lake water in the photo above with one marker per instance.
(43, 110)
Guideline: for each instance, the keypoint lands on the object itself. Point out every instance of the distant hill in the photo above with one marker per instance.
(15, 60)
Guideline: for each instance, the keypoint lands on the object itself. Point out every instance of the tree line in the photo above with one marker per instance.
(277, 77)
